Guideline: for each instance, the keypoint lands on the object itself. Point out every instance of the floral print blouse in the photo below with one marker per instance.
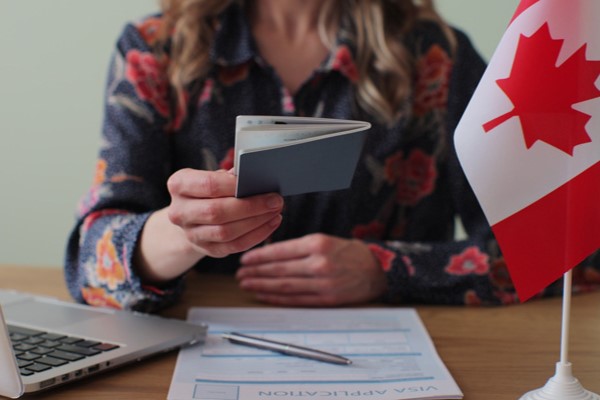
(407, 192)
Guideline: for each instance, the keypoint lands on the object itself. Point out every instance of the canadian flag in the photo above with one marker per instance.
(529, 140)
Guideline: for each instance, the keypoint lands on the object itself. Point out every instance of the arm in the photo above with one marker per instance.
(133, 165)
(142, 225)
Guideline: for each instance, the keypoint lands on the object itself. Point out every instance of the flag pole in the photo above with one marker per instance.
(566, 317)
(563, 385)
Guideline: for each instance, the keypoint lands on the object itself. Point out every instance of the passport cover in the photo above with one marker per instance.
(322, 163)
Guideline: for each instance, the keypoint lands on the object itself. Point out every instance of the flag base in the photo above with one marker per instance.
(562, 386)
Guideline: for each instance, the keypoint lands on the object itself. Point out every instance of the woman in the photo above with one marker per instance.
(163, 200)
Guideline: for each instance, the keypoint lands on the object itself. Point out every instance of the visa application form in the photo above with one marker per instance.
(392, 356)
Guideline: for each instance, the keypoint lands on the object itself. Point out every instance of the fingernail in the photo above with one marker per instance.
(275, 221)
(274, 201)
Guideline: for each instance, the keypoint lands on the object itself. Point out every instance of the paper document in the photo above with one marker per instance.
(392, 356)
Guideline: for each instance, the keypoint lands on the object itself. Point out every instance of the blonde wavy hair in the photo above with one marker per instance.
(377, 28)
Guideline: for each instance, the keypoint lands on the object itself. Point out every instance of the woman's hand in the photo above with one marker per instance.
(203, 219)
(213, 220)
(315, 270)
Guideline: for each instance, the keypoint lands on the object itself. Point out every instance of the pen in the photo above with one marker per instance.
(285, 348)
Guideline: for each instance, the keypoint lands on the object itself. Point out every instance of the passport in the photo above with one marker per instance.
(296, 155)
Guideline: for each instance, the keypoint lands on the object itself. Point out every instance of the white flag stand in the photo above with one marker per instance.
(563, 385)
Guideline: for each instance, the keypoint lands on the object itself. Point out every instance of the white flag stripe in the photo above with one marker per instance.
(505, 175)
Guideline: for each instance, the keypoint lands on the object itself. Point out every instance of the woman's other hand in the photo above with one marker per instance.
(315, 270)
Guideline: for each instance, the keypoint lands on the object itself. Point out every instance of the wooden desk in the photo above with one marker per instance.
(493, 353)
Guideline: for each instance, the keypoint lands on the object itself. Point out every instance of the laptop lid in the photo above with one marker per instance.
(10, 380)
(100, 338)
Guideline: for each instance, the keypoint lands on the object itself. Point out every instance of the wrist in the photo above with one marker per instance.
(163, 251)
(384, 257)
(378, 277)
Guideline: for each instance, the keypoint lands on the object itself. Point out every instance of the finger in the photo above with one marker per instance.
(301, 300)
(228, 232)
(285, 286)
(280, 251)
(243, 242)
(224, 210)
(302, 267)
(202, 184)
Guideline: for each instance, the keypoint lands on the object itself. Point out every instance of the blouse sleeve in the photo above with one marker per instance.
(129, 182)
(470, 271)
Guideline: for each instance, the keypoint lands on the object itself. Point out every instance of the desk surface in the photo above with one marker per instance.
(493, 353)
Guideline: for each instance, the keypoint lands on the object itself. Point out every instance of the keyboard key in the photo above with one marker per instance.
(17, 337)
(87, 343)
(41, 350)
(24, 331)
(23, 347)
(23, 363)
(106, 346)
(52, 336)
(78, 350)
(34, 340)
(66, 356)
(50, 343)
(38, 367)
(28, 356)
(71, 340)
(53, 362)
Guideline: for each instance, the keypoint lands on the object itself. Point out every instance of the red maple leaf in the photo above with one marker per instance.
(543, 94)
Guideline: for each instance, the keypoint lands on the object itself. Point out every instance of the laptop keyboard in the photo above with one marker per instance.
(38, 351)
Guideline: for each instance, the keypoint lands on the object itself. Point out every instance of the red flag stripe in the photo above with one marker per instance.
(523, 5)
(544, 240)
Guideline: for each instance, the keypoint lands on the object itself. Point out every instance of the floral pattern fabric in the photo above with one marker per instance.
(407, 192)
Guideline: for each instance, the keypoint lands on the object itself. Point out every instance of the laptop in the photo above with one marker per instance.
(45, 342)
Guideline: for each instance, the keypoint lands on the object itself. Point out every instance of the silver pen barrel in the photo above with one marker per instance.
(286, 348)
